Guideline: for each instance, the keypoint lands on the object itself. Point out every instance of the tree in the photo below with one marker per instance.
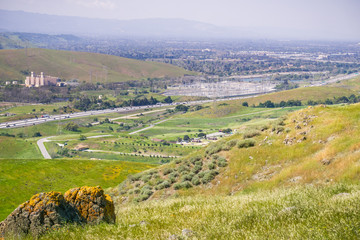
(186, 138)
(245, 104)
(168, 100)
(37, 134)
(82, 138)
(181, 108)
(72, 127)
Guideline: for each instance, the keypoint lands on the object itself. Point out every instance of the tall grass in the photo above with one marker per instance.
(328, 212)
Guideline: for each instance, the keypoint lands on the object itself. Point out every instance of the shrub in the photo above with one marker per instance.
(137, 190)
(183, 169)
(251, 134)
(209, 176)
(72, 127)
(229, 144)
(211, 166)
(166, 171)
(194, 160)
(164, 184)
(37, 134)
(159, 181)
(214, 148)
(196, 169)
(183, 185)
(82, 138)
(222, 162)
(187, 177)
(196, 180)
(146, 178)
(246, 143)
(174, 175)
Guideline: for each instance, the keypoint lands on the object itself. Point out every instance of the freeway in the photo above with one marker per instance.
(35, 121)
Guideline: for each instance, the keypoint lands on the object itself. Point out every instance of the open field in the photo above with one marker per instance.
(78, 65)
(328, 212)
(20, 179)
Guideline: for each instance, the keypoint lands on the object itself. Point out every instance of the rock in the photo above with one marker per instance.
(295, 179)
(92, 204)
(325, 161)
(45, 211)
(187, 232)
(143, 223)
(174, 237)
(298, 127)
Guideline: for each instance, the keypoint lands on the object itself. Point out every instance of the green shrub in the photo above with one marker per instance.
(183, 168)
(195, 180)
(209, 176)
(246, 143)
(251, 134)
(174, 175)
(187, 177)
(194, 160)
(164, 184)
(229, 144)
(211, 166)
(136, 190)
(222, 162)
(196, 169)
(214, 148)
(183, 185)
(146, 178)
(166, 171)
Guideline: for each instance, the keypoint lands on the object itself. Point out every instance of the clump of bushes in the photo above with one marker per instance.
(182, 185)
(167, 171)
(145, 193)
(246, 143)
(164, 184)
(208, 176)
(214, 148)
(229, 144)
(251, 134)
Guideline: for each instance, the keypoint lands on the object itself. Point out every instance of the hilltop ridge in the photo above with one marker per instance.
(84, 66)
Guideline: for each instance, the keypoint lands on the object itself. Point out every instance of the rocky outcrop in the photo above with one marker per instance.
(45, 211)
(92, 205)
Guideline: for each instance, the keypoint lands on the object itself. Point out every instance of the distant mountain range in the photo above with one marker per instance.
(19, 21)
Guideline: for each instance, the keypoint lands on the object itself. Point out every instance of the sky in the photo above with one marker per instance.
(326, 16)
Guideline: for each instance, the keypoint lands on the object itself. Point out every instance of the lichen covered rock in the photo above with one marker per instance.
(50, 210)
(92, 204)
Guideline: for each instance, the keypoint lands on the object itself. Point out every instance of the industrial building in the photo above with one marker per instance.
(41, 80)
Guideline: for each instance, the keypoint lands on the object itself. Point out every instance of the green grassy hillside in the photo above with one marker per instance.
(316, 145)
(20, 179)
(330, 212)
(80, 65)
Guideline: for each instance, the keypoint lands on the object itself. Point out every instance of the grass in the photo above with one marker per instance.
(77, 65)
(327, 212)
(18, 148)
(20, 179)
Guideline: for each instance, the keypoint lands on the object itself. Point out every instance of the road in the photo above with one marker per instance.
(42, 147)
(45, 153)
(35, 121)
(151, 126)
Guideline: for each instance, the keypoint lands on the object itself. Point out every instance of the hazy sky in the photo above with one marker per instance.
(328, 16)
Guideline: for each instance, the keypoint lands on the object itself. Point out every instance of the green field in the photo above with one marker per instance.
(20, 179)
(78, 65)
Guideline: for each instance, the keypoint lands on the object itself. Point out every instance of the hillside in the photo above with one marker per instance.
(89, 67)
(317, 145)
